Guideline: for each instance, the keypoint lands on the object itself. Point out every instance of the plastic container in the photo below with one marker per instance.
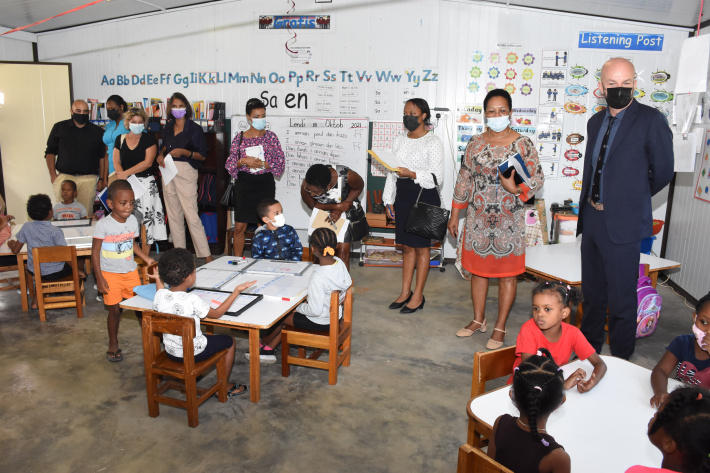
(646, 245)
(565, 228)
(575, 208)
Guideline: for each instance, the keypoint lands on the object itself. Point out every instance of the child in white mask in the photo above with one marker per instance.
(275, 240)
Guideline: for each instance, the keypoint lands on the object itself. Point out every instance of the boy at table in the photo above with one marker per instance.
(277, 240)
(69, 208)
(38, 233)
(112, 258)
(177, 269)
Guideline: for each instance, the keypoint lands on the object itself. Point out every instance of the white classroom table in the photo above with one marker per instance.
(563, 262)
(603, 430)
(262, 315)
(80, 237)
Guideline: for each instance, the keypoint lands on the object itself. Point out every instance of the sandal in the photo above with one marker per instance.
(237, 390)
(114, 356)
(495, 344)
(467, 332)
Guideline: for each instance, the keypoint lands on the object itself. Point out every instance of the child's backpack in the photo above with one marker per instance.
(649, 306)
(209, 221)
(207, 192)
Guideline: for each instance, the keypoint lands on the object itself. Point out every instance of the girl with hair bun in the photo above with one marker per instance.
(546, 329)
(522, 444)
(329, 275)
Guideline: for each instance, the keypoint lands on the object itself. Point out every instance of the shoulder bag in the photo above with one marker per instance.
(359, 228)
(228, 198)
(426, 220)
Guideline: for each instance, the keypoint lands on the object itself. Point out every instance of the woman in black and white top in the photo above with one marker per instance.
(134, 154)
(422, 153)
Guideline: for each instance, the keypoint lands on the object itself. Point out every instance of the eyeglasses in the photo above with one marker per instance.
(312, 193)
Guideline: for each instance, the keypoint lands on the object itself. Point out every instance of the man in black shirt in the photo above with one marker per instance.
(76, 151)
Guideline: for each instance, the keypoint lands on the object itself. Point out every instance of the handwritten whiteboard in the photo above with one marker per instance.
(307, 141)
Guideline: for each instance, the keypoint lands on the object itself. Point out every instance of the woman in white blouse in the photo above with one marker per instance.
(423, 155)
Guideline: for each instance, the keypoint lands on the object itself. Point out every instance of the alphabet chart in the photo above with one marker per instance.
(383, 132)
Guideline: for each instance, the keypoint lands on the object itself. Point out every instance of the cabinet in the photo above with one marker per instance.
(368, 247)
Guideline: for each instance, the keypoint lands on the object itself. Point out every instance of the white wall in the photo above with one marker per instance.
(398, 36)
(15, 50)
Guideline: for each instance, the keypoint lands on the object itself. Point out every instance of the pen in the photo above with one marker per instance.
(237, 261)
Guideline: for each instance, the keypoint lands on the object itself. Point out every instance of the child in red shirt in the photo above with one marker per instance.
(551, 304)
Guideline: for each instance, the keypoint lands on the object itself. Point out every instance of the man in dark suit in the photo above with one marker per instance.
(629, 158)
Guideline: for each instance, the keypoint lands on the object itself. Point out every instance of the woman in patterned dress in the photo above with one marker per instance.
(254, 176)
(492, 244)
(422, 154)
(134, 154)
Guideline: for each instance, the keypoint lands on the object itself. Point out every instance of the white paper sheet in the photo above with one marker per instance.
(279, 286)
(169, 171)
(138, 189)
(213, 278)
(215, 299)
(255, 152)
(269, 266)
(693, 65)
(684, 150)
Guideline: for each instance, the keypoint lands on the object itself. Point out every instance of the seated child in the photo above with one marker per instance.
(112, 258)
(517, 443)
(69, 208)
(314, 314)
(176, 268)
(277, 240)
(37, 233)
(687, 356)
(681, 431)
(551, 304)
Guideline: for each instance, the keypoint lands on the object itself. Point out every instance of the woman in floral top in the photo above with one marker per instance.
(492, 244)
(254, 176)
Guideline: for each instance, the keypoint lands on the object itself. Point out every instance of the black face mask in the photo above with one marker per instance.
(114, 114)
(619, 97)
(411, 122)
(80, 118)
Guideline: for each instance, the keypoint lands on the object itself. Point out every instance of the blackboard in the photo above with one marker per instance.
(308, 141)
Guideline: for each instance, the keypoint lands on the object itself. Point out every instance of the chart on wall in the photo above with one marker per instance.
(555, 91)
(702, 185)
(308, 141)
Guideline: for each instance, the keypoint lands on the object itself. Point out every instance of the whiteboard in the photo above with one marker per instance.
(307, 141)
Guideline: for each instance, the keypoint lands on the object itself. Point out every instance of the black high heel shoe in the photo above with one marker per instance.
(408, 310)
(399, 305)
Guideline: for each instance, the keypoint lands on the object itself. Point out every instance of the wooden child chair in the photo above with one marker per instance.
(9, 282)
(337, 341)
(474, 460)
(183, 374)
(49, 293)
(487, 366)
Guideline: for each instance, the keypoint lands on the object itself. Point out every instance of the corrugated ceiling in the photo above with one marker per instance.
(19, 13)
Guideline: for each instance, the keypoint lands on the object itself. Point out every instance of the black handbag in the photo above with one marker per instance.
(228, 198)
(426, 220)
(359, 228)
